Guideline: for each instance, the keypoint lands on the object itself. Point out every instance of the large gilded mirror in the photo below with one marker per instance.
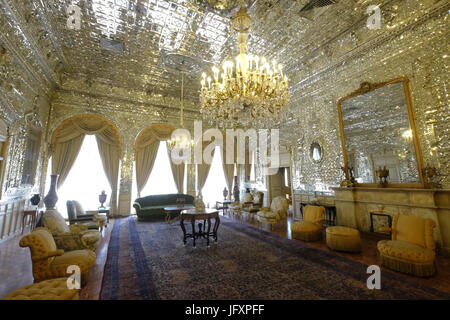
(378, 132)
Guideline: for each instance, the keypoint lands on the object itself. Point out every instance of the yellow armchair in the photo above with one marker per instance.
(49, 262)
(310, 228)
(73, 237)
(411, 249)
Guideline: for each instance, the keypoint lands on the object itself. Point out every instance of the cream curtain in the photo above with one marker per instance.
(67, 140)
(64, 156)
(146, 149)
(228, 169)
(177, 172)
(110, 155)
(145, 159)
(247, 166)
(203, 169)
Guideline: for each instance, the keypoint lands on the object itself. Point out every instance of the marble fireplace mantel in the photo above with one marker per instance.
(353, 206)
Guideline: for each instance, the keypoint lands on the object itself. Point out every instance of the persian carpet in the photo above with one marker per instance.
(147, 260)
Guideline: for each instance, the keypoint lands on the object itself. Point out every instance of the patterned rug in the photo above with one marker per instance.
(147, 260)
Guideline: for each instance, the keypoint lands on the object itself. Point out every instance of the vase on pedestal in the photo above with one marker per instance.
(102, 199)
(51, 198)
(225, 193)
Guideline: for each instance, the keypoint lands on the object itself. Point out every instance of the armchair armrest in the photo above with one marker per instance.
(58, 252)
(83, 219)
(385, 229)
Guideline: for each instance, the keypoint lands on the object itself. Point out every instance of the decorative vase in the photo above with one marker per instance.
(51, 198)
(199, 204)
(225, 193)
(35, 199)
(236, 189)
(102, 199)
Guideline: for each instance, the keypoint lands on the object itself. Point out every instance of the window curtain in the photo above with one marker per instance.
(67, 141)
(145, 160)
(203, 169)
(177, 172)
(110, 155)
(228, 169)
(64, 156)
(247, 166)
(146, 149)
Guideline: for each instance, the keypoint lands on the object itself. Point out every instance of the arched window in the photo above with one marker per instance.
(215, 183)
(85, 181)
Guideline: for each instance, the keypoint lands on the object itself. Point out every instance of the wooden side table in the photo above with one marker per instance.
(33, 214)
(204, 215)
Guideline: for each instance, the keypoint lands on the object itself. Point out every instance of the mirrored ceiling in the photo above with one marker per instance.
(139, 43)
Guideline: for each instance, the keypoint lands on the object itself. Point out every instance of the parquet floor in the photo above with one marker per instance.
(15, 262)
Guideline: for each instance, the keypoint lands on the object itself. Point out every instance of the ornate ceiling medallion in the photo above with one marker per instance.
(250, 92)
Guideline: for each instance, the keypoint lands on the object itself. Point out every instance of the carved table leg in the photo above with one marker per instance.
(184, 230)
(209, 230)
(193, 229)
(216, 227)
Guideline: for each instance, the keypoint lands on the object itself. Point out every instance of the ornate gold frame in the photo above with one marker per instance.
(367, 87)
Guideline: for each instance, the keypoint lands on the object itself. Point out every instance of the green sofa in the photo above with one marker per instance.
(151, 208)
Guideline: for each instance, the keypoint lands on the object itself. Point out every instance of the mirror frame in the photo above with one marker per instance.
(366, 87)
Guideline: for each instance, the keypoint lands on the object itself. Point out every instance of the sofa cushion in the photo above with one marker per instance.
(78, 208)
(84, 259)
(313, 213)
(405, 251)
(305, 226)
(247, 197)
(54, 221)
(53, 289)
(410, 229)
(71, 211)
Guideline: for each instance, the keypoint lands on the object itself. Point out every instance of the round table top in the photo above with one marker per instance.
(200, 212)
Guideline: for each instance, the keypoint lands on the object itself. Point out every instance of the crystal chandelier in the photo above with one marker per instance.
(249, 91)
(180, 142)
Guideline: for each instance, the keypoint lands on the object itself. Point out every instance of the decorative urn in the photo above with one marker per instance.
(225, 193)
(35, 199)
(102, 199)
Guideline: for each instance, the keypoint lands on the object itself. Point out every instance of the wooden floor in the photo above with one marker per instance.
(15, 262)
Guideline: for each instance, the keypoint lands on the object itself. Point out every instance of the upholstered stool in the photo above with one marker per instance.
(343, 239)
(54, 289)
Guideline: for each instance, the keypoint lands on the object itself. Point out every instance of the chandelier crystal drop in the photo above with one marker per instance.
(249, 91)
